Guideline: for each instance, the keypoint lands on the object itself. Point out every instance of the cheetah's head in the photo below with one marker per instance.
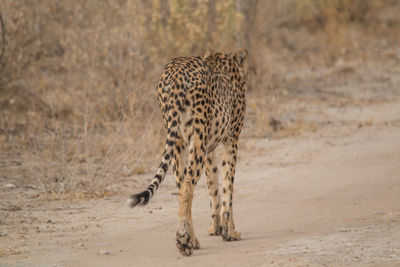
(239, 57)
(234, 65)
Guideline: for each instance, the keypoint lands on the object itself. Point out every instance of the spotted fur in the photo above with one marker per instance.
(202, 100)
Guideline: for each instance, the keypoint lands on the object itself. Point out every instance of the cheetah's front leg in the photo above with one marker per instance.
(228, 231)
(213, 191)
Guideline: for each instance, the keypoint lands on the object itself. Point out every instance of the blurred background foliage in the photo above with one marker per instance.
(78, 78)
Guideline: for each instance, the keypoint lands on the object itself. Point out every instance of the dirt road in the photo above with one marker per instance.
(330, 195)
(331, 198)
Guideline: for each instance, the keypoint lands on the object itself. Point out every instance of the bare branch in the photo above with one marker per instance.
(3, 36)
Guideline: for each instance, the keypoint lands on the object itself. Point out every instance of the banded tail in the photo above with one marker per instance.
(144, 197)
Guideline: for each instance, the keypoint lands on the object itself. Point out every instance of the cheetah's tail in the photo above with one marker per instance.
(144, 197)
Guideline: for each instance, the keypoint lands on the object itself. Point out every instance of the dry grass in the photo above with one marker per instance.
(77, 98)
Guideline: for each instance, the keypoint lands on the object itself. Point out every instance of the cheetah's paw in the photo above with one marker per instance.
(184, 244)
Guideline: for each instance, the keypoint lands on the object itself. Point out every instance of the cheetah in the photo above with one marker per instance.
(202, 100)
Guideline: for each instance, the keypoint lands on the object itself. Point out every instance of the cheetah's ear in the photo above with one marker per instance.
(240, 56)
(206, 54)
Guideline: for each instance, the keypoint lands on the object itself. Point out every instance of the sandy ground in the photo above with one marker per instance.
(329, 197)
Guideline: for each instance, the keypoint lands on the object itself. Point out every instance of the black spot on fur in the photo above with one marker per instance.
(164, 166)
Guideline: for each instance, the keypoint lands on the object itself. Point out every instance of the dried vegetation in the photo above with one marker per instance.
(77, 78)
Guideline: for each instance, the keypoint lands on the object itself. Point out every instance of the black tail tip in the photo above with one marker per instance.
(140, 199)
